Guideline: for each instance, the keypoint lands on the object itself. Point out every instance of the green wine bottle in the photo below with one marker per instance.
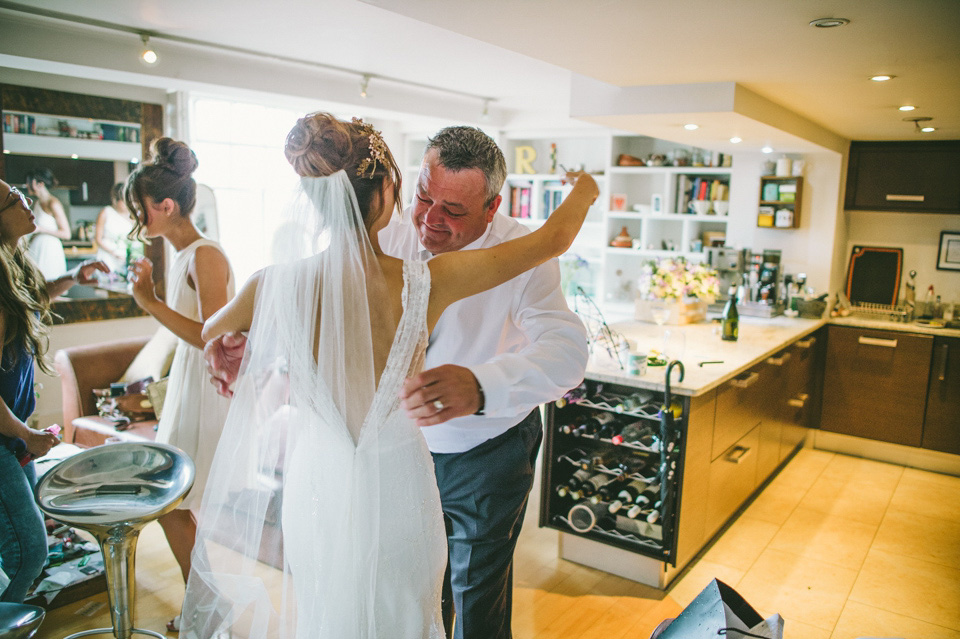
(731, 318)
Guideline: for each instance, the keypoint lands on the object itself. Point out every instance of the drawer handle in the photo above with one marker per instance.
(779, 361)
(876, 341)
(799, 401)
(806, 343)
(942, 375)
(737, 454)
(904, 198)
(746, 382)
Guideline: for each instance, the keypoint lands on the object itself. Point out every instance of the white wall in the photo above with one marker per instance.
(50, 403)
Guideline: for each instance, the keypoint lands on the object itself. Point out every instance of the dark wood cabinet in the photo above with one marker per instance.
(875, 384)
(941, 424)
(910, 177)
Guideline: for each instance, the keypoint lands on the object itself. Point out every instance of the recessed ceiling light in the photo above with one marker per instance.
(907, 107)
(827, 23)
(74, 156)
(882, 78)
(736, 140)
(767, 149)
(691, 127)
(7, 151)
(927, 129)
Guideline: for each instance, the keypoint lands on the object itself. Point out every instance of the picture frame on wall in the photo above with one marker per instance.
(948, 256)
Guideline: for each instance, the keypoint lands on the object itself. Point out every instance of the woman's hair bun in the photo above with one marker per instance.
(319, 145)
(173, 155)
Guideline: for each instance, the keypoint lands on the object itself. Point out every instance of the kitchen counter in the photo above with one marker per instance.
(92, 304)
(759, 338)
(886, 325)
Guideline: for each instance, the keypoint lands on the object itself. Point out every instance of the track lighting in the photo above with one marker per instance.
(916, 124)
(364, 82)
(485, 114)
(148, 56)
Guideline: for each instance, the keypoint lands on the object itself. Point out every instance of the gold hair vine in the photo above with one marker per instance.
(378, 149)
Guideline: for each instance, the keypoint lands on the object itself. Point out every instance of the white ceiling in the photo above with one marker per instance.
(527, 54)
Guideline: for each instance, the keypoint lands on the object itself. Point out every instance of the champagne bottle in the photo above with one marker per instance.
(649, 496)
(584, 516)
(731, 318)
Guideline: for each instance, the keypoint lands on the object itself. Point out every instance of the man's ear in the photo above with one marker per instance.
(492, 209)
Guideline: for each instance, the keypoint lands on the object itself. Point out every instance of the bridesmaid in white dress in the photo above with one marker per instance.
(113, 225)
(46, 247)
(162, 192)
(335, 328)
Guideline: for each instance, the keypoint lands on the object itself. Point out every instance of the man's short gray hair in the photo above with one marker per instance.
(466, 147)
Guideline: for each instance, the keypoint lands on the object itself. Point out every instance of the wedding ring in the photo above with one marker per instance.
(438, 405)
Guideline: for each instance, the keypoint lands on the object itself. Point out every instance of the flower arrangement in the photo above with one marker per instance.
(677, 279)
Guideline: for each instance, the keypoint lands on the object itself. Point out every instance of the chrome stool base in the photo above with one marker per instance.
(109, 631)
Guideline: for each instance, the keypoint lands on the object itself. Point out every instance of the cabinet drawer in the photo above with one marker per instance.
(738, 407)
(875, 384)
(733, 476)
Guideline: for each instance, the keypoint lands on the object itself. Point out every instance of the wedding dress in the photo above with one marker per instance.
(317, 454)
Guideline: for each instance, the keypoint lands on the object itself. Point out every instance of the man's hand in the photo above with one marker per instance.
(439, 394)
(223, 356)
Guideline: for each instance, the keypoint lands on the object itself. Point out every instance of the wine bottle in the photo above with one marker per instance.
(592, 424)
(731, 318)
(633, 401)
(639, 433)
(610, 430)
(631, 491)
(592, 485)
(578, 394)
(580, 476)
(584, 516)
(570, 427)
(648, 496)
(608, 492)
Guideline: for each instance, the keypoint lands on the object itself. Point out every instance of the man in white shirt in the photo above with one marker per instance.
(492, 360)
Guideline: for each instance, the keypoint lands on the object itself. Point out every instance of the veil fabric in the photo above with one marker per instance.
(321, 517)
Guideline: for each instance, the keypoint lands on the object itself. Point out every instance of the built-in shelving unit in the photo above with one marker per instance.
(51, 135)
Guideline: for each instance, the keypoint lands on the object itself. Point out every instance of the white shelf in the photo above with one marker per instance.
(674, 170)
(26, 144)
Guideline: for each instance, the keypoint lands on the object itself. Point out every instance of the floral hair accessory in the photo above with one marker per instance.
(378, 149)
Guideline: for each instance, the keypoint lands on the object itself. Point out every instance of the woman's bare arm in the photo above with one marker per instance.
(236, 315)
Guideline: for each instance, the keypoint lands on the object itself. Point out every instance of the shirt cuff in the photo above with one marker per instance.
(491, 386)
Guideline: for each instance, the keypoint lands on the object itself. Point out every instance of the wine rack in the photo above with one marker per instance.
(613, 467)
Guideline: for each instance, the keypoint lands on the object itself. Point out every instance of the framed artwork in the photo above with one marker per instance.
(656, 203)
(618, 202)
(948, 257)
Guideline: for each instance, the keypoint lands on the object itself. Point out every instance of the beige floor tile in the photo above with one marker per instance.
(801, 588)
(858, 620)
(919, 537)
(804, 468)
(699, 576)
(910, 587)
(617, 619)
(854, 499)
(775, 503)
(793, 629)
(742, 543)
(858, 469)
(929, 494)
(825, 537)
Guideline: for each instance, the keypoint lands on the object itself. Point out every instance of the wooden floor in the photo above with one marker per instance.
(841, 547)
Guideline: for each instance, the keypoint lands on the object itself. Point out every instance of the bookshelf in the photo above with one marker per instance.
(89, 138)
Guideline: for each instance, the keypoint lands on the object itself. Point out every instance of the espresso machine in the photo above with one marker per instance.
(728, 262)
(757, 277)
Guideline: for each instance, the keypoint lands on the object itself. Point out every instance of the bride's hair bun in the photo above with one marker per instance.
(320, 144)
(173, 155)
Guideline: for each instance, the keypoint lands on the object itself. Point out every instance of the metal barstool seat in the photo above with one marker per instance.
(112, 492)
(19, 621)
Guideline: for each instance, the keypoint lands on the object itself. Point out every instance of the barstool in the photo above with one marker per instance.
(112, 492)
(19, 621)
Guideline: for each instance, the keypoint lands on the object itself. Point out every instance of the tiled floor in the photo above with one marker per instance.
(841, 547)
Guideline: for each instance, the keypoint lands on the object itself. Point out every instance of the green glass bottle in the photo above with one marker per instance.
(731, 318)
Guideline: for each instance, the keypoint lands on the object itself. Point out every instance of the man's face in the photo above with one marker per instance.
(448, 209)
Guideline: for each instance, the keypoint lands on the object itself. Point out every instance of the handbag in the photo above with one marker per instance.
(720, 611)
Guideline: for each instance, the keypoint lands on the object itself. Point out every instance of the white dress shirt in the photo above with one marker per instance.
(520, 339)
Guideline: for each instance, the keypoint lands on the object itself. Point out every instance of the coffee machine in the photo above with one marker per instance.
(729, 264)
(756, 276)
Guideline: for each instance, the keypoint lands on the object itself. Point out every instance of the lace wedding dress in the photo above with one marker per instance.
(319, 456)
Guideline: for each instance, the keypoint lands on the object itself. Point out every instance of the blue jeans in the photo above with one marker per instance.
(23, 536)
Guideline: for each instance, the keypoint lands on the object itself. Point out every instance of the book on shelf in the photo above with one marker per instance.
(520, 200)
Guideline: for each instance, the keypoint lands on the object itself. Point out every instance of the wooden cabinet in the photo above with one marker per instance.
(941, 424)
(875, 384)
(733, 476)
(780, 199)
(919, 177)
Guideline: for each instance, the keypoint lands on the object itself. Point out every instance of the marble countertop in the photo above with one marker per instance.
(860, 321)
(700, 342)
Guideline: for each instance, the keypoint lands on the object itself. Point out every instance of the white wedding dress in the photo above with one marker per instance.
(319, 456)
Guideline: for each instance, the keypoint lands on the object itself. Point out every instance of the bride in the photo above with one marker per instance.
(335, 328)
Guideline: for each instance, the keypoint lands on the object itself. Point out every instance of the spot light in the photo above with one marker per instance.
(882, 78)
(148, 56)
(364, 82)
(767, 149)
(736, 140)
(907, 107)
(691, 126)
